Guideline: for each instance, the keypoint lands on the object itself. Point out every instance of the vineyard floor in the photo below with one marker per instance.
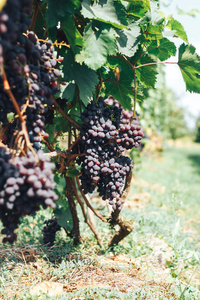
(158, 260)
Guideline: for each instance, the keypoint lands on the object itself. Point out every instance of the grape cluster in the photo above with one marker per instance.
(112, 180)
(104, 137)
(130, 133)
(13, 22)
(42, 84)
(49, 232)
(30, 68)
(25, 185)
(130, 136)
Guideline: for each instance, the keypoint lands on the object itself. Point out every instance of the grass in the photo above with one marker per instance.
(158, 260)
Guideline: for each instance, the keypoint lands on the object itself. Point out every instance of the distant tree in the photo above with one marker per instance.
(161, 111)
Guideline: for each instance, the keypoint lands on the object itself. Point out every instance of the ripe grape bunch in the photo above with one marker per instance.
(28, 82)
(25, 184)
(49, 232)
(106, 132)
(31, 71)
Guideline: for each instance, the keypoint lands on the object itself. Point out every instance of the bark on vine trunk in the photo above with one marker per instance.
(69, 192)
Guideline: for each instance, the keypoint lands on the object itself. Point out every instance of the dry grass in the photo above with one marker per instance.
(32, 273)
(154, 268)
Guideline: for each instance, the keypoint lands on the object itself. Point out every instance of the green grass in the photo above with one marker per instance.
(158, 260)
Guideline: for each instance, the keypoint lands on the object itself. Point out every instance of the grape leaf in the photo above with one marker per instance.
(73, 35)
(127, 40)
(103, 44)
(60, 184)
(162, 49)
(138, 8)
(64, 217)
(154, 32)
(85, 78)
(57, 10)
(50, 129)
(103, 10)
(72, 172)
(62, 211)
(147, 74)
(121, 12)
(189, 63)
(61, 124)
(120, 88)
(178, 27)
(69, 91)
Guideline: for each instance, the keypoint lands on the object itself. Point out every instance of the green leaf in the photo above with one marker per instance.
(157, 17)
(120, 89)
(189, 63)
(178, 28)
(57, 10)
(41, 23)
(64, 217)
(60, 184)
(69, 91)
(72, 172)
(154, 32)
(50, 129)
(103, 44)
(84, 78)
(61, 124)
(121, 12)
(73, 35)
(127, 41)
(104, 11)
(138, 8)
(62, 211)
(162, 49)
(147, 74)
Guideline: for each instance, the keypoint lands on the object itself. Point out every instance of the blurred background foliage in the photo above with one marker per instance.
(161, 113)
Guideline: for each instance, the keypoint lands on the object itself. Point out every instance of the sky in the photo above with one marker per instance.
(190, 101)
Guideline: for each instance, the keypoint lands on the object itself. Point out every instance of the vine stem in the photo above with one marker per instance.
(63, 154)
(69, 192)
(88, 203)
(74, 143)
(35, 15)
(68, 118)
(16, 106)
(135, 93)
(158, 63)
(11, 96)
(84, 213)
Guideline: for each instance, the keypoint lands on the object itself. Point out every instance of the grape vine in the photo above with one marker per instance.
(62, 99)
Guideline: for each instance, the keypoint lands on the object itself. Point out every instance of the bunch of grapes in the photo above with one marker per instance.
(49, 232)
(14, 21)
(31, 71)
(42, 85)
(104, 137)
(26, 184)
